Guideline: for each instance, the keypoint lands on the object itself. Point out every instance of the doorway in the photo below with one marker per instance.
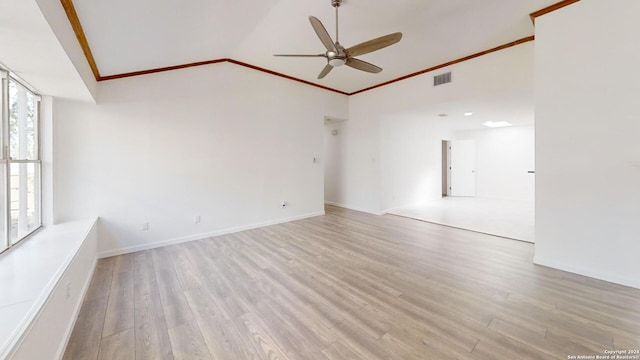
(445, 167)
(460, 157)
(334, 143)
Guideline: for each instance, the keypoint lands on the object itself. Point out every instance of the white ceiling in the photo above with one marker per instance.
(515, 108)
(30, 49)
(134, 35)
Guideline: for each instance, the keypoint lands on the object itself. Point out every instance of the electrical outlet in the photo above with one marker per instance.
(196, 219)
(145, 226)
(68, 289)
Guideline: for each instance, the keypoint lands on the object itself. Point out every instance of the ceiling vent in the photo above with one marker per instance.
(442, 79)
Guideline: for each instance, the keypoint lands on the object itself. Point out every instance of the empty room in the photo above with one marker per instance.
(244, 180)
(468, 164)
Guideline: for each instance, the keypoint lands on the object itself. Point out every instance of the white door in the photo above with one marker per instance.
(462, 168)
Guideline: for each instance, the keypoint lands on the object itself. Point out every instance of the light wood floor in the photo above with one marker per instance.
(349, 286)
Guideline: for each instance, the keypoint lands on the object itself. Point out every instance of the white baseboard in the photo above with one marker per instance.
(354, 208)
(183, 239)
(626, 281)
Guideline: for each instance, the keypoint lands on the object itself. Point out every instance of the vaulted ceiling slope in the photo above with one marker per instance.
(32, 49)
(127, 36)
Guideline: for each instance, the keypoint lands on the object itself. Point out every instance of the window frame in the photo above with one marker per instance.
(6, 242)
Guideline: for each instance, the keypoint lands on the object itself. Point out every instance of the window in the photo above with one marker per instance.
(19, 162)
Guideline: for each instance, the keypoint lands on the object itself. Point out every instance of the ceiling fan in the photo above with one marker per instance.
(337, 55)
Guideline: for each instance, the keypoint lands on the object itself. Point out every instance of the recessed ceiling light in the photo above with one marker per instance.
(443, 115)
(468, 114)
(496, 124)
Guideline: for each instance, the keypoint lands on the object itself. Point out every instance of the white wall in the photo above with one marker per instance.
(220, 141)
(333, 161)
(373, 115)
(503, 157)
(411, 159)
(587, 148)
(46, 157)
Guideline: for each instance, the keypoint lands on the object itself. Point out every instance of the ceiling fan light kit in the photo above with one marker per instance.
(337, 55)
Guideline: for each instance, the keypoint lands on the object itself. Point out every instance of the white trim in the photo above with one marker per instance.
(412, 205)
(76, 311)
(157, 244)
(632, 282)
(355, 208)
(39, 304)
(393, 209)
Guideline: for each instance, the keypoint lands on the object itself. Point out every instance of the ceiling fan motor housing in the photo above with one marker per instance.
(336, 3)
(337, 59)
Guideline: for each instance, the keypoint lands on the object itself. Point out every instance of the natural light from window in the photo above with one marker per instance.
(20, 171)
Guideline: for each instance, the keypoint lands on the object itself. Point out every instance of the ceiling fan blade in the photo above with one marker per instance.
(325, 71)
(322, 34)
(300, 55)
(363, 65)
(373, 45)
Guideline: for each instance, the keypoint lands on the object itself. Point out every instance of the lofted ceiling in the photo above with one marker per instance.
(136, 35)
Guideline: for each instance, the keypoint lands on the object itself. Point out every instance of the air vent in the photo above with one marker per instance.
(442, 79)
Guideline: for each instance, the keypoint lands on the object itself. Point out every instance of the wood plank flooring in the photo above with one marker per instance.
(349, 285)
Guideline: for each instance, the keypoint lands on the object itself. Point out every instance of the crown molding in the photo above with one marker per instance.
(285, 76)
(550, 8)
(215, 61)
(151, 71)
(84, 44)
(449, 63)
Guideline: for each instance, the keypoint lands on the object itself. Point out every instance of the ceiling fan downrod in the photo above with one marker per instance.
(336, 4)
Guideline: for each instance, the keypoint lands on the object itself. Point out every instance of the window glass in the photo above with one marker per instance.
(23, 135)
(25, 200)
(20, 212)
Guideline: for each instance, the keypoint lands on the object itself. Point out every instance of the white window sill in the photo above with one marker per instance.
(30, 271)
